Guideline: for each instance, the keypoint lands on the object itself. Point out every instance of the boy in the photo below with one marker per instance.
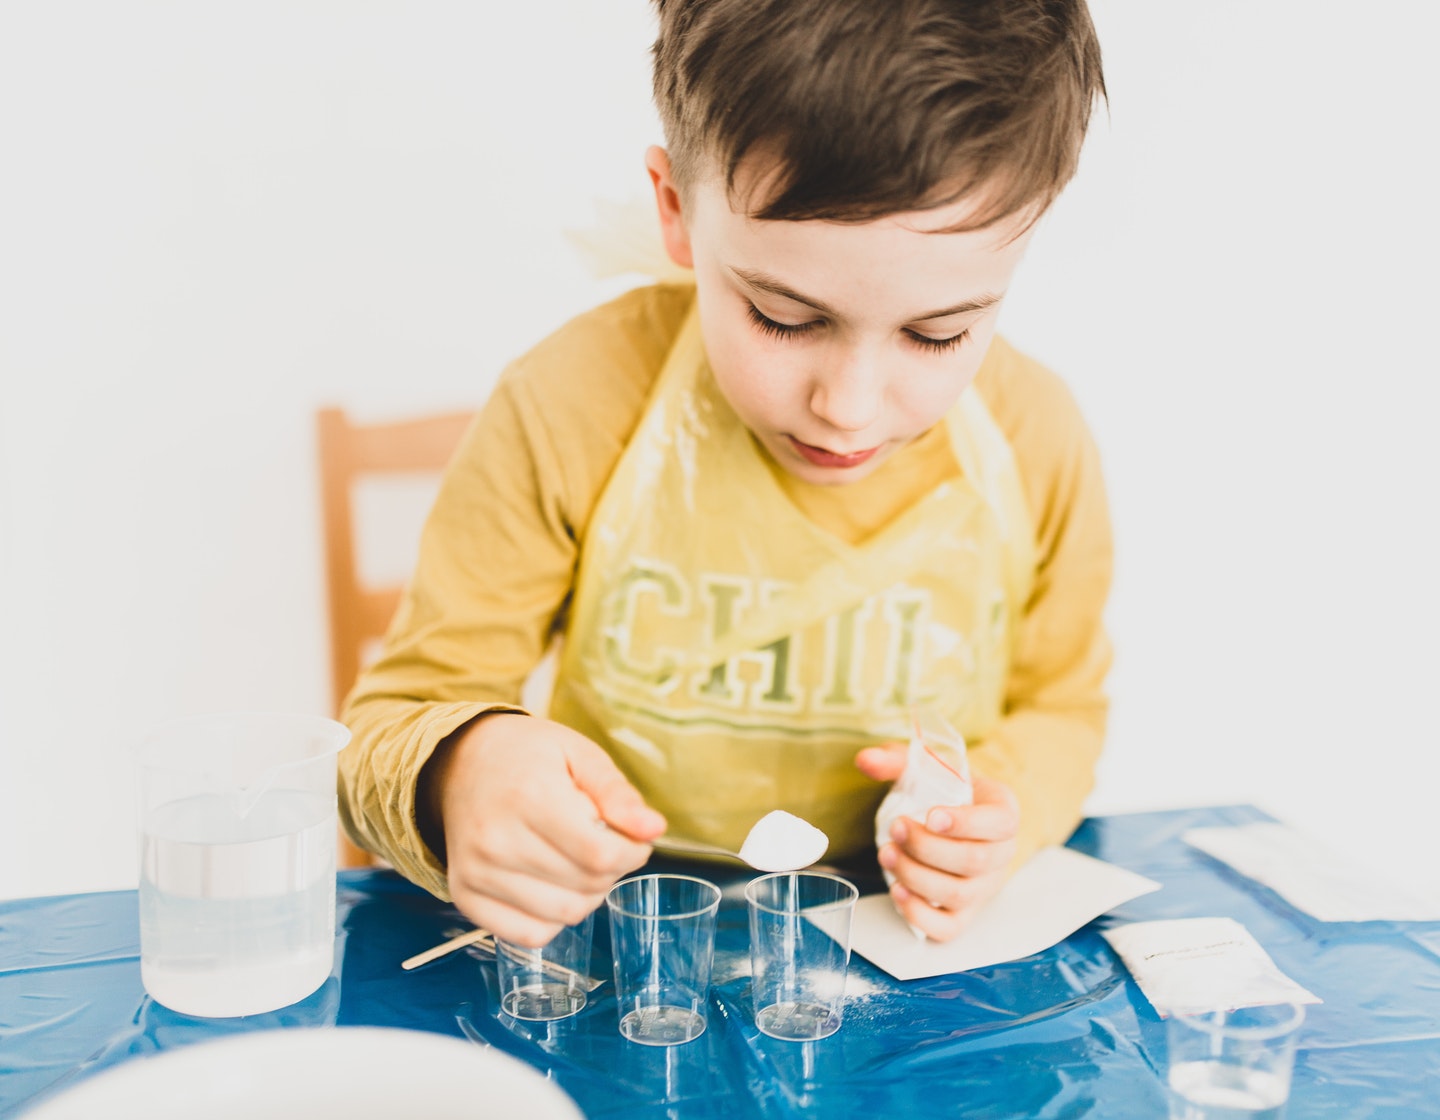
(772, 512)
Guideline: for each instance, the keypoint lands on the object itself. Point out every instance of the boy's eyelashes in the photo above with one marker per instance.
(770, 327)
(939, 345)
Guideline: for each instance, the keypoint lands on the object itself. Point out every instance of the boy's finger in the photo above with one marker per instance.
(575, 847)
(994, 814)
(963, 858)
(973, 822)
(941, 890)
(504, 920)
(550, 829)
(936, 924)
(544, 903)
(562, 843)
(618, 802)
(883, 763)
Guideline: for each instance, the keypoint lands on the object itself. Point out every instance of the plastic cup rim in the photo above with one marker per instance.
(616, 908)
(1208, 1022)
(146, 747)
(821, 907)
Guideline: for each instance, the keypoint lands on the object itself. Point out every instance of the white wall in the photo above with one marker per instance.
(214, 218)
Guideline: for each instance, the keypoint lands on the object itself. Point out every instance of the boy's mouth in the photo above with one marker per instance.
(823, 458)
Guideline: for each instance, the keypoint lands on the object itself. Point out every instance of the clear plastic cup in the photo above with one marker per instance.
(662, 937)
(545, 983)
(799, 952)
(237, 861)
(1232, 1065)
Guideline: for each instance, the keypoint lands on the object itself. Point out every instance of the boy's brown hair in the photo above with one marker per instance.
(873, 107)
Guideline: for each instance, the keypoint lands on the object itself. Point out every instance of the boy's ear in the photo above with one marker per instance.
(668, 202)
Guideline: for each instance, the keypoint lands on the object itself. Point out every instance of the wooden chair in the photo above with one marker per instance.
(359, 614)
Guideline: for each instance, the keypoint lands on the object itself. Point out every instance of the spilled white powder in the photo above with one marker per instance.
(781, 841)
(736, 966)
(854, 986)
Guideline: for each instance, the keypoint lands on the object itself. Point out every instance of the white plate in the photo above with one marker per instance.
(360, 1073)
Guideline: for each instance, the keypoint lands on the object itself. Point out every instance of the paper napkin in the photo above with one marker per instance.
(1311, 876)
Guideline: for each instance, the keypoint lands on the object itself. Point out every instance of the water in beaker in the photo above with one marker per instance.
(237, 868)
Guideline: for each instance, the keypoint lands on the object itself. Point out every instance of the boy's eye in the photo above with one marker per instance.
(767, 325)
(940, 345)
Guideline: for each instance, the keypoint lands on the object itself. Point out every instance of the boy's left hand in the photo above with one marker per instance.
(949, 865)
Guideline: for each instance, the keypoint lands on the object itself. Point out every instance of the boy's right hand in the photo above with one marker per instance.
(539, 824)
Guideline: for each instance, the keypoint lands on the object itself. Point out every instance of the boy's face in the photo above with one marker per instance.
(838, 343)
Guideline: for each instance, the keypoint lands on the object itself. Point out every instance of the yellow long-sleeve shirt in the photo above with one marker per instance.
(499, 552)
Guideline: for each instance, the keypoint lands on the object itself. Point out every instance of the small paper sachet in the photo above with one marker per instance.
(1190, 965)
(1311, 876)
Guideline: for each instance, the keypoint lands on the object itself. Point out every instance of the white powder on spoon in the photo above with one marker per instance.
(781, 841)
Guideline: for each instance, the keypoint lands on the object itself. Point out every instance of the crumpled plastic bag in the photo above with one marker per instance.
(937, 772)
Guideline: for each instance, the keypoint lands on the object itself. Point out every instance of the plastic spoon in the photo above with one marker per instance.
(779, 841)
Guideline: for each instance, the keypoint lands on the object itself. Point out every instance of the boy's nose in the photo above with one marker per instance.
(848, 396)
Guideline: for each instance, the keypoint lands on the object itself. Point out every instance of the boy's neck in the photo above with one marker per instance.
(856, 511)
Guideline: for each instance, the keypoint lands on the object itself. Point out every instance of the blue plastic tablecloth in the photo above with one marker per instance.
(1063, 1033)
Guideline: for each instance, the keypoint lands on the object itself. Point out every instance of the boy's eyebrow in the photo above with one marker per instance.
(767, 283)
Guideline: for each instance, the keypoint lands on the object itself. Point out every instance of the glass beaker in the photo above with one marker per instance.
(237, 861)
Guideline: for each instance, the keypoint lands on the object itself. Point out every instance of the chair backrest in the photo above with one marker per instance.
(349, 452)
(360, 614)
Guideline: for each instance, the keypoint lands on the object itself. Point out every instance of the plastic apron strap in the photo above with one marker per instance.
(732, 655)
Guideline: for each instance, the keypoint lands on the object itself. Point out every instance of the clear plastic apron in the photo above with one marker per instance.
(732, 656)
